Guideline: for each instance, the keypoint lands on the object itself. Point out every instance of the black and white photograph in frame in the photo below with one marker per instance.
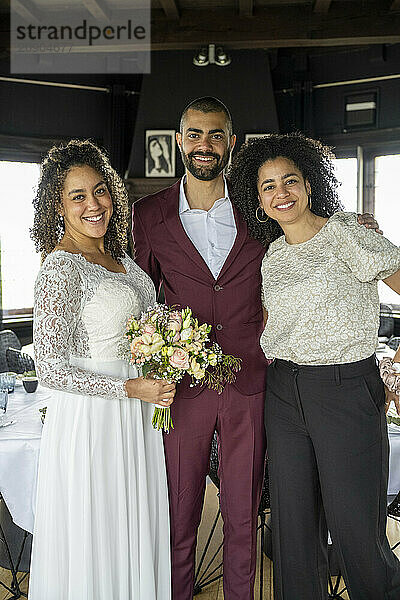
(160, 153)
(250, 136)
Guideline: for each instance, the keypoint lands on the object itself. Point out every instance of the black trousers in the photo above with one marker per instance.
(328, 463)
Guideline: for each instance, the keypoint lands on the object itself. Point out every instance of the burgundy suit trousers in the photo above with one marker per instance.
(238, 420)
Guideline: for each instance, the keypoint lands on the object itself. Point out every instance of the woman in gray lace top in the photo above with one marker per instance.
(325, 403)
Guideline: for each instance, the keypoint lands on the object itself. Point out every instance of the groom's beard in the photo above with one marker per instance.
(206, 172)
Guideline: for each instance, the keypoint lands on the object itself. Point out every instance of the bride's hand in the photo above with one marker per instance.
(156, 391)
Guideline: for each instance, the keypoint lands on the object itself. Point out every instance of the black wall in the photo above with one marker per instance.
(32, 110)
(321, 112)
(244, 86)
(42, 112)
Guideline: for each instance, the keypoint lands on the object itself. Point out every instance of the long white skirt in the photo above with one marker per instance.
(101, 519)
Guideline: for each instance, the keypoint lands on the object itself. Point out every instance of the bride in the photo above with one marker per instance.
(102, 522)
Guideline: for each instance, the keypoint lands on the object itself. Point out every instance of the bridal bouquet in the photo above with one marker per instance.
(168, 343)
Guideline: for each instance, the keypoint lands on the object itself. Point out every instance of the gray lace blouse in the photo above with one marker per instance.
(322, 295)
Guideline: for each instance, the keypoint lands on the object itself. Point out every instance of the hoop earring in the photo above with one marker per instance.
(258, 218)
(309, 202)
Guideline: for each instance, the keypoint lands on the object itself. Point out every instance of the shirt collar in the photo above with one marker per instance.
(183, 202)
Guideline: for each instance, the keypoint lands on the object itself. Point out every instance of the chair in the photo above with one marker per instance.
(18, 361)
(207, 577)
(386, 322)
(393, 342)
(393, 511)
(336, 586)
(8, 339)
(394, 507)
(15, 551)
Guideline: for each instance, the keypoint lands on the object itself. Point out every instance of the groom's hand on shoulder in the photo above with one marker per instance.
(369, 221)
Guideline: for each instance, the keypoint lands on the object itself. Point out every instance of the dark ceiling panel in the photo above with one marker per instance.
(246, 8)
(322, 6)
(345, 24)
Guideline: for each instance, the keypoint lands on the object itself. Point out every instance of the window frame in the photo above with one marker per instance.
(23, 150)
(366, 146)
(28, 149)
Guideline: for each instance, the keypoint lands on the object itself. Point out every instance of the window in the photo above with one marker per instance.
(378, 164)
(19, 261)
(387, 209)
(346, 173)
(387, 204)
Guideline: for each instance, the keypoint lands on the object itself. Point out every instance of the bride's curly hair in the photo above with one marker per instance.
(311, 157)
(48, 226)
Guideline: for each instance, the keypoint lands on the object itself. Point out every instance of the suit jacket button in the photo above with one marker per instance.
(217, 287)
(218, 327)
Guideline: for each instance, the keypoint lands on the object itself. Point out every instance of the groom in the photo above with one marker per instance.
(191, 238)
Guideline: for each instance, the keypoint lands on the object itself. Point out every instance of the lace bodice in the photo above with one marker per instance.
(81, 310)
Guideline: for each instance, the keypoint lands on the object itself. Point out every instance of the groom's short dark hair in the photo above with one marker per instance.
(207, 104)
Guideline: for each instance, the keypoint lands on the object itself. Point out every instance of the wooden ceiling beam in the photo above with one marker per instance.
(246, 8)
(25, 10)
(268, 43)
(96, 9)
(322, 6)
(276, 28)
(170, 9)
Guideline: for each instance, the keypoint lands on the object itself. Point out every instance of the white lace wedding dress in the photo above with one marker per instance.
(101, 517)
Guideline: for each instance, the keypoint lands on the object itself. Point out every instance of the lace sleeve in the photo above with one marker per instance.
(59, 294)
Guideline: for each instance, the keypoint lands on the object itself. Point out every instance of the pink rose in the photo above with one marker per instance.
(175, 324)
(136, 346)
(149, 328)
(179, 359)
(175, 315)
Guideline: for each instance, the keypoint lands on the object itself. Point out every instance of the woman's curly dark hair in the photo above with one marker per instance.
(48, 226)
(311, 157)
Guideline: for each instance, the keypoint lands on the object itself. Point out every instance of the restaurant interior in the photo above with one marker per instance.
(327, 68)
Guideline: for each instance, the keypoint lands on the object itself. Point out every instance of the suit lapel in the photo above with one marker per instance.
(170, 210)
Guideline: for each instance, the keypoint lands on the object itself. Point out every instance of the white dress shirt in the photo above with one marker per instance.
(212, 232)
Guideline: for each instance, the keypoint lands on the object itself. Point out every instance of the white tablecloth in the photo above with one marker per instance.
(394, 460)
(394, 435)
(19, 453)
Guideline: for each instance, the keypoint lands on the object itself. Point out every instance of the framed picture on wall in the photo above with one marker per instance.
(160, 153)
(250, 136)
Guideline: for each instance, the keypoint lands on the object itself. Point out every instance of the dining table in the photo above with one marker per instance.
(19, 452)
(20, 433)
(20, 447)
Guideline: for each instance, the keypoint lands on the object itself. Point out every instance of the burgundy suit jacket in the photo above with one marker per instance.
(231, 304)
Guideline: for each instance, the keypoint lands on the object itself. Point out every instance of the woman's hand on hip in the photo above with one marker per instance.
(155, 391)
